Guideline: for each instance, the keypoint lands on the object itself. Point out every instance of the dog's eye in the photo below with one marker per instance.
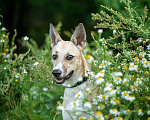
(69, 57)
(54, 57)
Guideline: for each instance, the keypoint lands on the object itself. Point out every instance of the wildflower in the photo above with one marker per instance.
(79, 95)
(146, 73)
(128, 110)
(60, 107)
(87, 104)
(118, 80)
(100, 31)
(2, 40)
(118, 54)
(124, 67)
(131, 98)
(148, 118)
(100, 74)
(125, 81)
(114, 101)
(88, 90)
(146, 64)
(144, 42)
(102, 66)
(99, 114)
(17, 75)
(0, 23)
(79, 79)
(114, 31)
(139, 80)
(118, 89)
(102, 97)
(4, 54)
(45, 89)
(132, 66)
(26, 38)
(99, 80)
(148, 47)
(117, 74)
(36, 63)
(7, 49)
(105, 47)
(16, 80)
(24, 71)
(101, 106)
(114, 111)
(25, 97)
(3, 29)
(89, 58)
(15, 54)
(142, 54)
(140, 112)
(148, 112)
(108, 87)
(136, 59)
(140, 48)
(139, 40)
(125, 94)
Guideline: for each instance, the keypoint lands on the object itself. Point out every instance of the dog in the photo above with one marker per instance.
(69, 64)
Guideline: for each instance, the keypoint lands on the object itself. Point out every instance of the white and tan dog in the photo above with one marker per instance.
(69, 64)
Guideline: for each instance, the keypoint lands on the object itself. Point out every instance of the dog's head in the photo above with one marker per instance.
(67, 56)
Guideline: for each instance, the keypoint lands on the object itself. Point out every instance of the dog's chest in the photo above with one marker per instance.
(70, 93)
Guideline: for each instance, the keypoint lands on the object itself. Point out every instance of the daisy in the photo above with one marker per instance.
(132, 66)
(89, 58)
(99, 80)
(17, 75)
(117, 74)
(140, 112)
(79, 95)
(26, 38)
(139, 39)
(118, 80)
(146, 64)
(114, 111)
(101, 106)
(130, 98)
(100, 31)
(87, 104)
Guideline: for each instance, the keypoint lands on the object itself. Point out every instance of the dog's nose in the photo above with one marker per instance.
(56, 73)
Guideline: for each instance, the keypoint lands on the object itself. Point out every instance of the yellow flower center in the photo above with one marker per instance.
(98, 113)
(125, 94)
(128, 110)
(103, 96)
(139, 110)
(88, 57)
(74, 103)
(118, 78)
(146, 63)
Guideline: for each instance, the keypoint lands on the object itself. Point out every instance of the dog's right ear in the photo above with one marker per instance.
(54, 36)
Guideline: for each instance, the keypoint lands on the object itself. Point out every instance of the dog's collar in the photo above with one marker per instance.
(79, 83)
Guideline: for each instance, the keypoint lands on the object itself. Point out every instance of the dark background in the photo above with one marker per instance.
(32, 17)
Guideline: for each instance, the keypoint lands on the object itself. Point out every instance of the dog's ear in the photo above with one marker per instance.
(54, 36)
(79, 36)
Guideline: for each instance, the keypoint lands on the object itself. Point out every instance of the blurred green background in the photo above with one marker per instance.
(32, 17)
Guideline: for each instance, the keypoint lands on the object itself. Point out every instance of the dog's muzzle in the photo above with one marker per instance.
(56, 73)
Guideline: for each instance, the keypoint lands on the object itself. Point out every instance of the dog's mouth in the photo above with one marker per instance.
(61, 81)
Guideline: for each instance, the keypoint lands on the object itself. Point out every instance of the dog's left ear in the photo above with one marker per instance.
(79, 36)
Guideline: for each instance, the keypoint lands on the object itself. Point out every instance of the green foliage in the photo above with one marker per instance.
(26, 90)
